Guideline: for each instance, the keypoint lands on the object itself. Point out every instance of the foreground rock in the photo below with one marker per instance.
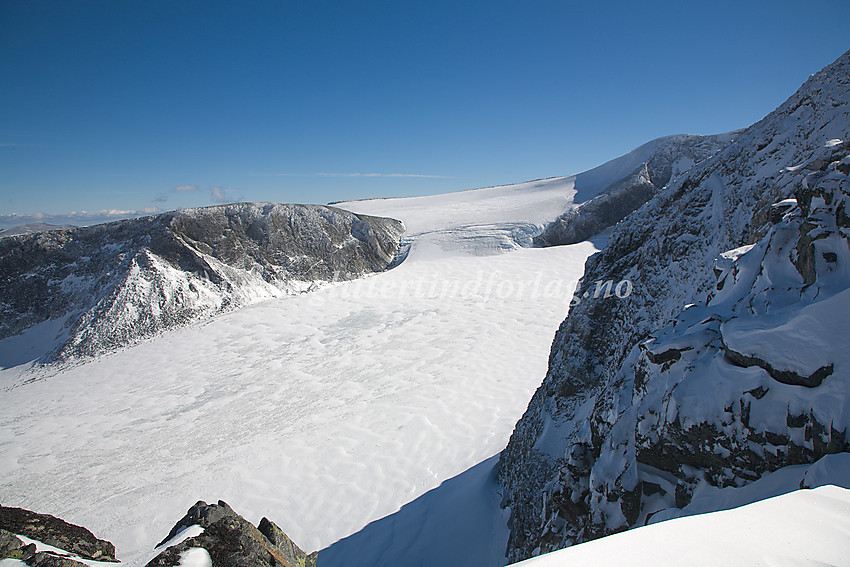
(51, 531)
(102, 287)
(231, 541)
(727, 361)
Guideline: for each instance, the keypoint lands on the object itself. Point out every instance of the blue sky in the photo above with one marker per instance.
(125, 105)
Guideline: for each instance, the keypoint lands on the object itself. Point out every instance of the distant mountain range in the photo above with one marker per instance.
(33, 227)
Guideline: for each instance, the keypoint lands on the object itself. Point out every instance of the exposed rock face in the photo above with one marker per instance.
(666, 157)
(201, 514)
(287, 547)
(118, 282)
(728, 359)
(232, 541)
(51, 531)
(228, 538)
(12, 547)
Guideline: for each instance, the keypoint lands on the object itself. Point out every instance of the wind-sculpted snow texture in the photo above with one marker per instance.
(115, 283)
(659, 161)
(726, 362)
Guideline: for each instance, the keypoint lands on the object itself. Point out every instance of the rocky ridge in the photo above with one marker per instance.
(213, 530)
(723, 364)
(106, 286)
(660, 161)
(77, 541)
(231, 540)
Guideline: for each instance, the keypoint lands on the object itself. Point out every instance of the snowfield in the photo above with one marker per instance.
(324, 411)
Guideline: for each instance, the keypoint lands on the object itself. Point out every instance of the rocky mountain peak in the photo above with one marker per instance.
(711, 373)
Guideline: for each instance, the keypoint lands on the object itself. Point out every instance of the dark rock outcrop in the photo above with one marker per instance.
(200, 514)
(109, 285)
(51, 531)
(12, 547)
(232, 541)
(287, 547)
(45, 559)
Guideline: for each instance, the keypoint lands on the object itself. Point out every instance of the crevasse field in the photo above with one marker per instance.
(324, 411)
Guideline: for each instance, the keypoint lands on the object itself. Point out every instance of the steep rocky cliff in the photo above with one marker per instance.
(727, 360)
(106, 286)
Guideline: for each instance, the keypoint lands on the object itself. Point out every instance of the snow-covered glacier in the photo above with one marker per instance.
(323, 411)
(369, 417)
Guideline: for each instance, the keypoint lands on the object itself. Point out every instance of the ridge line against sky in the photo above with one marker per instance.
(138, 107)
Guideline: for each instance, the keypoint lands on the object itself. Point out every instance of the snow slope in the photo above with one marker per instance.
(802, 528)
(478, 221)
(324, 411)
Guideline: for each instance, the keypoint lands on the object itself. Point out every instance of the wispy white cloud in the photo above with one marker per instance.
(218, 194)
(78, 218)
(163, 197)
(327, 174)
(381, 175)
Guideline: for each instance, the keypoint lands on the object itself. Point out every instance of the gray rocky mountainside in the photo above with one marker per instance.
(657, 161)
(728, 359)
(101, 287)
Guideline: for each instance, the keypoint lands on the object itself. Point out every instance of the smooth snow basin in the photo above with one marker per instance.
(802, 528)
